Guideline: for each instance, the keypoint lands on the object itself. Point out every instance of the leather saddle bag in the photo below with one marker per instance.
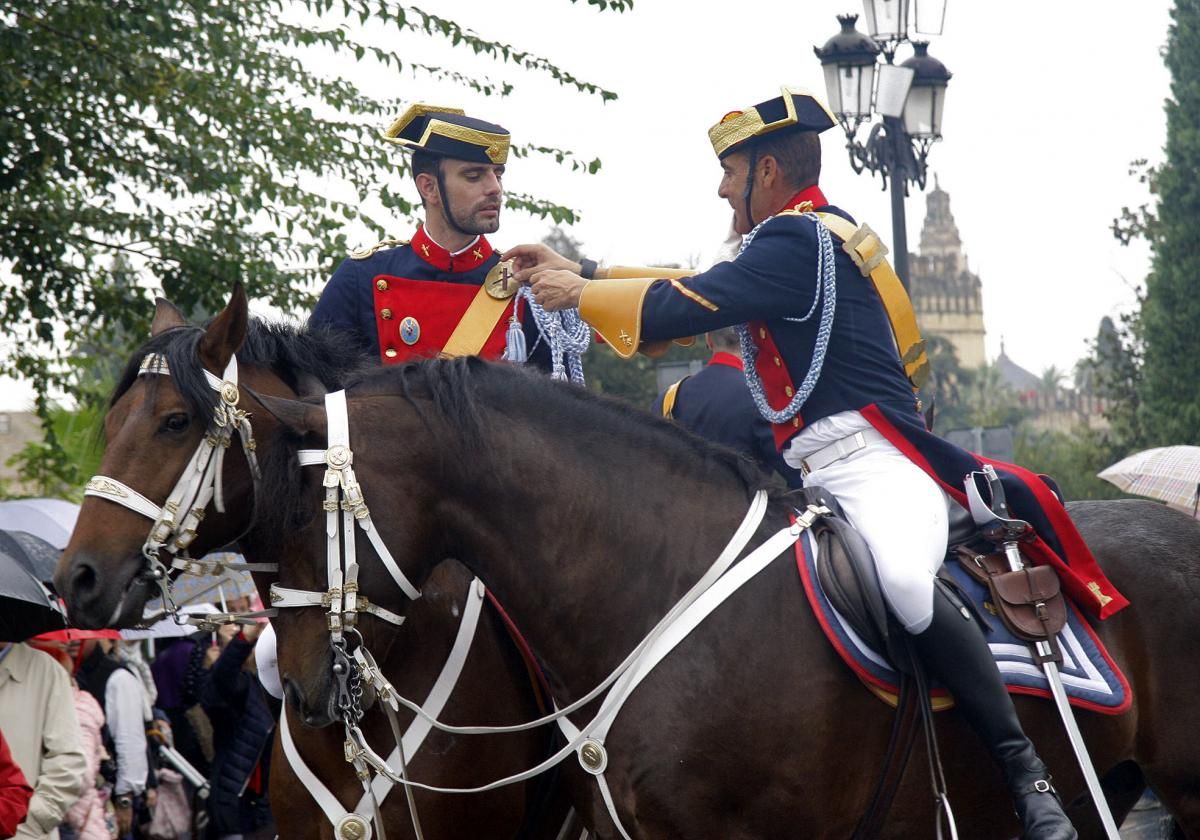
(1029, 602)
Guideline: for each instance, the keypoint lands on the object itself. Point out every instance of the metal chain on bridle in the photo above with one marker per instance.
(826, 295)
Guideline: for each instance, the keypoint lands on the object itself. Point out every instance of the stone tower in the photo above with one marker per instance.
(946, 296)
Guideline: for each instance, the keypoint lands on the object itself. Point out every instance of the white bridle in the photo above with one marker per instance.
(199, 483)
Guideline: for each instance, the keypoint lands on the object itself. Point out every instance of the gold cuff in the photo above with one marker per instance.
(623, 272)
(613, 308)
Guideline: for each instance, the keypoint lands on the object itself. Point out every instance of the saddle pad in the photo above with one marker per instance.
(1089, 675)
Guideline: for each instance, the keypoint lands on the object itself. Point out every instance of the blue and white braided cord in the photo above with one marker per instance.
(568, 335)
(826, 292)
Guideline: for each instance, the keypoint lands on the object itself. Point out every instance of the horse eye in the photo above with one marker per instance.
(177, 422)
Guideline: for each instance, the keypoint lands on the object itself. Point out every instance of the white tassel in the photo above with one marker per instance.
(514, 342)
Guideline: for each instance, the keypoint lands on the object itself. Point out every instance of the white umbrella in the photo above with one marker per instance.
(168, 628)
(51, 519)
(1169, 473)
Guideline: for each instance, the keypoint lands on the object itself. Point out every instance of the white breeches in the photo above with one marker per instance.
(899, 510)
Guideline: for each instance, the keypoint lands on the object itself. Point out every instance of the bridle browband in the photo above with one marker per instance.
(200, 483)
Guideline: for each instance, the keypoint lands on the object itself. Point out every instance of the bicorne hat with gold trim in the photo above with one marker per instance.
(794, 109)
(448, 132)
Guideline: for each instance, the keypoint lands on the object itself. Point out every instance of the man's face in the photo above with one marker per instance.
(474, 194)
(734, 170)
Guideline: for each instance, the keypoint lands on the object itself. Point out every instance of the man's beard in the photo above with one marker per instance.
(470, 224)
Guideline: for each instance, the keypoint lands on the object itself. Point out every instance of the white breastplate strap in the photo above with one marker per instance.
(176, 521)
(646, 655)
(414, 736)
(592, 755)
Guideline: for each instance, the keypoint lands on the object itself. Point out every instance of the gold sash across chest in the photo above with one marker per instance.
(479, 321)
(869, 254)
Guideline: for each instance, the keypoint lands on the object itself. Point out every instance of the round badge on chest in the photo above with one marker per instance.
(500, 282)
(410, 330)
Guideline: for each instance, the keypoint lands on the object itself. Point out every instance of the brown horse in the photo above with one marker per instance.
(589, 521)
(154, 424)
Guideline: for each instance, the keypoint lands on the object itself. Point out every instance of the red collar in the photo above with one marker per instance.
(809, 198)
(441, 259)
(727, 359)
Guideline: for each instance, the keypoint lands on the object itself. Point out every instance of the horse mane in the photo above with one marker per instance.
(294, 353)
(457, 388)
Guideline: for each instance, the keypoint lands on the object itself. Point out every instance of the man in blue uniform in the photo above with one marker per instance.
(715, 403)
(445, 292)
(861, 435)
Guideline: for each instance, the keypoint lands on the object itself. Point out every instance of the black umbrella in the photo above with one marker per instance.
(37, 556)
(26, 607)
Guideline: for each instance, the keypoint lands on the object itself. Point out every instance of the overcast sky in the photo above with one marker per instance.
(1049, 104)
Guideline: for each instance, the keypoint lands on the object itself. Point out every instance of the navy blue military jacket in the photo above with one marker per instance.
(403, 302)
(715, 403)
(771, 287)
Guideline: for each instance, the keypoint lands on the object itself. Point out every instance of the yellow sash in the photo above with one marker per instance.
(869, 254)
(476, 325)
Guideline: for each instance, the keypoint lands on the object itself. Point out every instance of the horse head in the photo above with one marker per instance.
(161, 412)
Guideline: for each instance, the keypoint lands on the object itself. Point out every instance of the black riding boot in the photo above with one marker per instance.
(954, 651)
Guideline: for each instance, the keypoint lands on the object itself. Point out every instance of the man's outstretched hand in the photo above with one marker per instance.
(530, 259)
(556, 289)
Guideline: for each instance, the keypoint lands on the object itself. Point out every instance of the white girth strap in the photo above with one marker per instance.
(414, 737)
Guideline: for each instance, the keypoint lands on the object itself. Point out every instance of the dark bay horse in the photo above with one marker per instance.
(589, 520)
(154, 424)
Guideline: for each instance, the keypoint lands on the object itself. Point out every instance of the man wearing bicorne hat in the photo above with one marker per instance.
(444, 292)
(822, 317)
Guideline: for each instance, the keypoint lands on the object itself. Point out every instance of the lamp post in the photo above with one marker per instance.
(908, 97)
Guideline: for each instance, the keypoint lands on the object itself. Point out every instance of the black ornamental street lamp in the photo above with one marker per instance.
(909, 98)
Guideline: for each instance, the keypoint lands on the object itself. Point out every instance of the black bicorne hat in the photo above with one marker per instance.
(794, 109)
(448, 132)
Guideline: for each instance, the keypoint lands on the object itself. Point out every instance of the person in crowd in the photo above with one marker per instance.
(15, 792)
(170, 669)
(243, 722)
(37, 717)
(127, 710)
(715, 403)
(87, 818)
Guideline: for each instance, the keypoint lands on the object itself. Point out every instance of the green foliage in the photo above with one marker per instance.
(1073, 459)
(1170, 313)
(58, 465)
(192, 139)
(1113, 370)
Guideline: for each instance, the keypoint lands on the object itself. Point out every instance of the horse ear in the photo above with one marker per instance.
(166, 317)
(224, 336)
(301, 417)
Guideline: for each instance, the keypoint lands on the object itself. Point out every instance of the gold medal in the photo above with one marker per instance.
(500, 282)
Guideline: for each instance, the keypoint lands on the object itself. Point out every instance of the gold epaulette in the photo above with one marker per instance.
(363, 253)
